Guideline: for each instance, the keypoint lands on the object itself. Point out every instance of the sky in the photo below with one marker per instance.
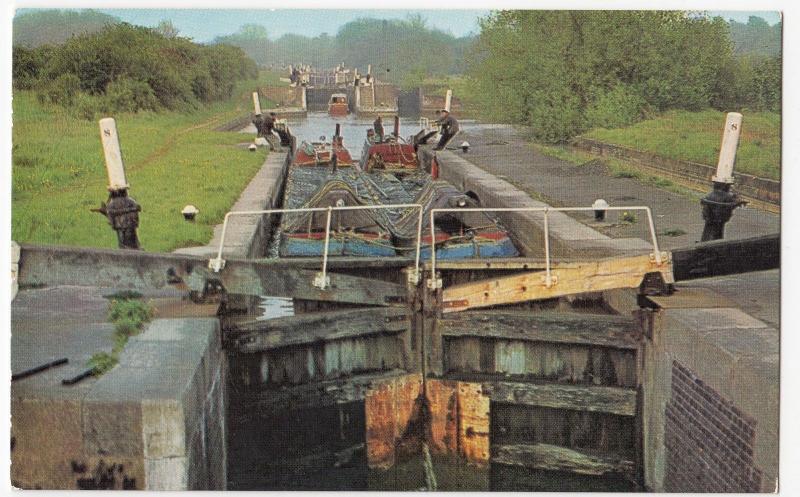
(742, 15)
(205, 25)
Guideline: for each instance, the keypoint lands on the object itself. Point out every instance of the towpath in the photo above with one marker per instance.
(504, 152)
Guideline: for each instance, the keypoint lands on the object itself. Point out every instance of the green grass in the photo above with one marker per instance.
(129, 317)
(696, 136)
(267, 77)
(462, 90)
(628, 217)
(171, 158)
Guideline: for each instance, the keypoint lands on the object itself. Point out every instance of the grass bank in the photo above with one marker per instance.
(172, 159)
(696, 136)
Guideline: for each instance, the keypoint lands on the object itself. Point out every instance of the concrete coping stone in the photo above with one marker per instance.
(716, 318)
(15, 251)
(160, 363)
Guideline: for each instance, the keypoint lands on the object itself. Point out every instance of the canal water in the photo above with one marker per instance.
(354, 129)
(323, 448)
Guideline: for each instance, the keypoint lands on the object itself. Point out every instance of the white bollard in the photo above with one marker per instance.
(113, 155)
(447, 98)
(14, 269)
(369, 68)
(727, 151)
(256, 103)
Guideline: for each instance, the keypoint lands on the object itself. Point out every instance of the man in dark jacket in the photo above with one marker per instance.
(267, 130)
(269, 124)
(449, 127)
(258, 122)
(378, 126)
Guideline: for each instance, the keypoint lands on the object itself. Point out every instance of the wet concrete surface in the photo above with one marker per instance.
(760, 299)
(503, 151)
(72, 322)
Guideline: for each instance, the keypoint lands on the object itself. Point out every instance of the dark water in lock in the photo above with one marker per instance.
(323, 449)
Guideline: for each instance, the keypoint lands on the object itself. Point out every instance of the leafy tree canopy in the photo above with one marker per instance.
(50, 27)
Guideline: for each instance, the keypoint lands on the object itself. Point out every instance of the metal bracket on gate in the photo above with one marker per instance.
(434, 283)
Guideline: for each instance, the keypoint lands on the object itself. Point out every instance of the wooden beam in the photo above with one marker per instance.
(610, 400)
(572, 328)
(594, 276)
(259, 336)
(722, 257)
(136, 269)
(556, 458)
(319, 393)
(499, 263)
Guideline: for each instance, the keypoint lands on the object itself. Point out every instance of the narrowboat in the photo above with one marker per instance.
(337, 105)
(391, 154)
(321, 153)
(389, 174)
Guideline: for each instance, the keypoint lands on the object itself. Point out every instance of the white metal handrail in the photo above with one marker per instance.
(322, 280)
(434, 282)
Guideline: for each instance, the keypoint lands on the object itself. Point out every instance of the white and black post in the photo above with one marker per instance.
(121, 210)
(720, 202)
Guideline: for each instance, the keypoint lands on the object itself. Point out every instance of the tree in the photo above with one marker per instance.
(47, 27)
(562, 72)
(166, 29)
(398, 50)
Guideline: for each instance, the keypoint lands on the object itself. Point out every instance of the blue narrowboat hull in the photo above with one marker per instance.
(304, 247)
(466, 250)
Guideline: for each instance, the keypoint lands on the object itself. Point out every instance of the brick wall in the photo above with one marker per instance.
(709, 442)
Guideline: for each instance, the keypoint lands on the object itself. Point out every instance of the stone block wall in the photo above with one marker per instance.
(156, 421)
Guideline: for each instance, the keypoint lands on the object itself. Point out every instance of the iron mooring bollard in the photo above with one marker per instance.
(121, 210)
(718, 205)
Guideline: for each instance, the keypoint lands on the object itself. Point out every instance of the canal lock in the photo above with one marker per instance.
(538, 396)
(496, 411)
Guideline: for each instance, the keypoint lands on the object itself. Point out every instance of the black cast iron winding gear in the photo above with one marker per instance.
(718, 208)
(123, 215)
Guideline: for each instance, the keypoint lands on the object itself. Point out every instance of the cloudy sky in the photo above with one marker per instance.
(206, 24)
